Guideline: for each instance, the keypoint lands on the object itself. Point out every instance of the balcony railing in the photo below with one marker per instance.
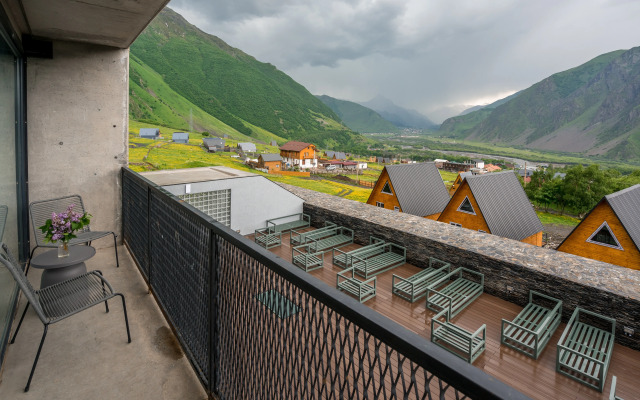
(254, 326)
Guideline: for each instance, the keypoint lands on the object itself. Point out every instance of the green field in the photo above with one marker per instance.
(548, 218)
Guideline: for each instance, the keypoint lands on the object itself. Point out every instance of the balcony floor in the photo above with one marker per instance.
(535, 378)
(87, 355)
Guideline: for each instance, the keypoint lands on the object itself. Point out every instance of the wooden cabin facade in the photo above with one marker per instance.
(496, 204)
(610, 232)
(415, 189)
(270, 162)
(299, 154)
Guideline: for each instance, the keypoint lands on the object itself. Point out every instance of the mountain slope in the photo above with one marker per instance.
(357, 117)
(232, 86)
(399, 116)
(592, 109)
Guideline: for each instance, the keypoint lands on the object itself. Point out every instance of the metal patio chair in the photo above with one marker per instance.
(57, 302)
(4, 210)
(41, 211)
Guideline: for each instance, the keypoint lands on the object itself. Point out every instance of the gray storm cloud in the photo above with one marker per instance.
(422, 54)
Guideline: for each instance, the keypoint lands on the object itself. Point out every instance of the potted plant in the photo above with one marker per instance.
(61, 228)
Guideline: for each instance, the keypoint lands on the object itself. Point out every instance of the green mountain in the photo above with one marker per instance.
(357, 117)
(593, 109)
(181, 75)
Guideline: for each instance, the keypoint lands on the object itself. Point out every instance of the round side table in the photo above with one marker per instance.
(58, 269)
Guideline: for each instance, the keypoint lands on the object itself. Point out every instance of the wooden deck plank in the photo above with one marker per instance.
(535, 378)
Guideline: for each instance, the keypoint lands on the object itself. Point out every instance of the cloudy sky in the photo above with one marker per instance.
(422, 54)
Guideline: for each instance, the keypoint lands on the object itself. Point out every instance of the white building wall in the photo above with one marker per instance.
(254, 200)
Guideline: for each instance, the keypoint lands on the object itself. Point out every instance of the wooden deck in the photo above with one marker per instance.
(535, 378)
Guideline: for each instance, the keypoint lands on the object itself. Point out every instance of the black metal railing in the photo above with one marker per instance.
(254, 326)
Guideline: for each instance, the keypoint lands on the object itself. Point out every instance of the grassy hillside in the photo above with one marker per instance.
(357, 117)
(590, 110)
(210, 77)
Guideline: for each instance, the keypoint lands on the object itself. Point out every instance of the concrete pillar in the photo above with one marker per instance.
(77, 116)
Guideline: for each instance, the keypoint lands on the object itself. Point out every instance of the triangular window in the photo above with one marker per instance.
(605, 237)
(387, 188)
(466, 207)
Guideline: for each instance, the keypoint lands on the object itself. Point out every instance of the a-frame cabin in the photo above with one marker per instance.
(415, 189)
(494, 203)
(458, 181)
(610, 232)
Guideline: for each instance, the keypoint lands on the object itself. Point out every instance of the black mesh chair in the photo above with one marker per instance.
(4, 210)
(41, 211)
(57, 302)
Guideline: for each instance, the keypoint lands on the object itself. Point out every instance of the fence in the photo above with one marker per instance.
(254, 326)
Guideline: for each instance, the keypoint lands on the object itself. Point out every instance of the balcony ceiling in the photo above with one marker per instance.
(114, 23)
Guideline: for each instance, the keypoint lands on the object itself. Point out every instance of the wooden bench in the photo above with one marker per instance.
(532, 328)
(415, 286)
(267, 238)
(381, 259)
(343, 258)
(300, 220)
(303, 257)
(363, 290)
(457, 340)
(297, 238)
(584, 349)
(456, 295)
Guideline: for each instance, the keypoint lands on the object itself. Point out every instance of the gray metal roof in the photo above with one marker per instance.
(247, 146)
(149, 132)
(504, 205)
(626, 205)
(339, 155)
(271, 157)
(211, 142)
(419, 188)
(180, 135)
(465, 174)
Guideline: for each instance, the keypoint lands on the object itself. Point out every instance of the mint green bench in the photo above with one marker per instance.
(584, 350)
(348, 282)
(612, 391)
(343, 258)
(267, 238)
(300, 220)
(415, 286)
(457, 340)
(297, 238)
(302, 257)
(338, 236)
(380, 259)
(456, 295)
(532, 328)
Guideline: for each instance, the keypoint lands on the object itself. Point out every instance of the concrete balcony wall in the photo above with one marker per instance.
(510, 268)
(78, 128)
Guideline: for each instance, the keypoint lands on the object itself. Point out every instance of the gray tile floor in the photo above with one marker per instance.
(87, 355)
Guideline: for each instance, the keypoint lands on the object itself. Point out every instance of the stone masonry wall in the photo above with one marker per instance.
(510, 268)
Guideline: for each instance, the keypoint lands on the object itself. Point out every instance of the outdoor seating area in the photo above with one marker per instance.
(298, 237)
(289, 222)
(268, 237)
(378, 260)
(459, 317)
(585, 348)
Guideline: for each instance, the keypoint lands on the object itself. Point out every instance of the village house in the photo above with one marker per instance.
(299, 154)
(610, 232)
(494, 203)
(180, 137)
(335, 155)
(458, 181)
(270, 162)
(150, 133)
(456, 166)
(213, 144)
(247, 147)
(415, 189)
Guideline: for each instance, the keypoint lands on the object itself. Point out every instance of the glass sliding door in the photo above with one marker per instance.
(8, 182)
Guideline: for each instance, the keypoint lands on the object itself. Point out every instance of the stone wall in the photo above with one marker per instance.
(510, 268)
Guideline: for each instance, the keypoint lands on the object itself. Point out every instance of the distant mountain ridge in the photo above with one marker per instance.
(220, 84)
(399, 116)
(357, 117)
(593, 109)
